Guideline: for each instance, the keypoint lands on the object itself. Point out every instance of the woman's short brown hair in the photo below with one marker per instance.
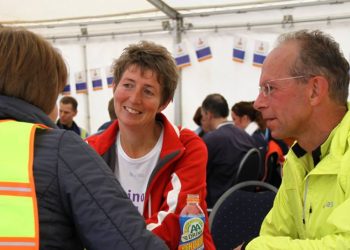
(150, 56)
(30, 68)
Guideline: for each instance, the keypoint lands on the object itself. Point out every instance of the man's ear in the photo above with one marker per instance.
(319, 89)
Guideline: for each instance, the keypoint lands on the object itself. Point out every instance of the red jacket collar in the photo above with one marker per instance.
(104, 140)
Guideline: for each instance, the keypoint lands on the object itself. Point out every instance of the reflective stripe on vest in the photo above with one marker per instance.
(19, 224)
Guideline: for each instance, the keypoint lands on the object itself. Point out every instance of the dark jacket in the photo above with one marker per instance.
(79, 130)
(226, 147)
(80, 202)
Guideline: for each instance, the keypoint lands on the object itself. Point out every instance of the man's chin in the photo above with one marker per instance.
(276, 135)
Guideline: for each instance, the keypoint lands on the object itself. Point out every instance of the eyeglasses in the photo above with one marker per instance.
(266, 88)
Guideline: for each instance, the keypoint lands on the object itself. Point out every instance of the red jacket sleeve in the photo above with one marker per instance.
(188, 177)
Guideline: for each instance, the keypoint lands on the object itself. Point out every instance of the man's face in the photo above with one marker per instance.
(66, 114)
(286, 109)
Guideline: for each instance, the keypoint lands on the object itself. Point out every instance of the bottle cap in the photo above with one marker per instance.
(192, 198)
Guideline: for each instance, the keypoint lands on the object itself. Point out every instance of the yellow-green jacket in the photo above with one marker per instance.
(312, 207)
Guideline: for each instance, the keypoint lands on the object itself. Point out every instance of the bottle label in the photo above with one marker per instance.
(191, 232)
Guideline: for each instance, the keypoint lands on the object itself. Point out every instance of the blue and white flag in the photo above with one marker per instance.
(260, 52)
(66, 90)
(203, 50)
(182, 58)
(80, 82)
(239, 48)
(96, 79)
(109, 76)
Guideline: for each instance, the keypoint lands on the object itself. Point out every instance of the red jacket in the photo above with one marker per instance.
(181, 170)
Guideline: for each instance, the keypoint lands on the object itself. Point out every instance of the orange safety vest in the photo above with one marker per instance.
(19, 223)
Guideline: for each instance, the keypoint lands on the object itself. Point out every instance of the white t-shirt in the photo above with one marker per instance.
(133, 174)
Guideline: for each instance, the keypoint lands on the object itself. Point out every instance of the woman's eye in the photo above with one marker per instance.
(127, 85)
(149, 92)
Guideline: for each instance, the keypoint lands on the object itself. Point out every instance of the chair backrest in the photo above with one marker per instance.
(273, 164)
(238, 214)
(273, 169)
(249, 167)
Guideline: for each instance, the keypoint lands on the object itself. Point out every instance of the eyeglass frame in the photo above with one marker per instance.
(265, 87)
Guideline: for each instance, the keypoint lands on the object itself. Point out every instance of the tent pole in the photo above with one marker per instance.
(177, 34)
(178, 91)
(86, 99)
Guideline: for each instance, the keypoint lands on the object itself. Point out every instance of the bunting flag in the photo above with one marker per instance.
(239, 49)
(182, 58)
(80, 82)
(109, 76)
(260, 52)
(203, 51)
(66, 90)
(96, 79)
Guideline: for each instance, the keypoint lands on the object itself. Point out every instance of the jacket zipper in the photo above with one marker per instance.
(305, 194)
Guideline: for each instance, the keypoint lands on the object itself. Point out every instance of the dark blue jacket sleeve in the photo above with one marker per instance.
(103, 214)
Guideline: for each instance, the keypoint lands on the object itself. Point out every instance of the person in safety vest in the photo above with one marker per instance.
(55, 191)
(303, 95)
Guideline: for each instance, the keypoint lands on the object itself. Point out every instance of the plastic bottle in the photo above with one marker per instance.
(191, 224)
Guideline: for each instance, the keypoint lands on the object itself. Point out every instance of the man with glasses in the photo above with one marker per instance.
(303, 94)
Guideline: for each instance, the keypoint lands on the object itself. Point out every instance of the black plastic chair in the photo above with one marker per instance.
(238, 214)
(249, 168)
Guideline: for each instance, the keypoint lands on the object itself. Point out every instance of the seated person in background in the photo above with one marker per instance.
(197, 118)
(304, 88)
(112, 116)
(67, 111)
(55, 191)
(226, 145)
(156, 162)
(246, 117)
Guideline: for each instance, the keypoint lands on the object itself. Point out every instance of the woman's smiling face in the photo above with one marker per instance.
(137, 97)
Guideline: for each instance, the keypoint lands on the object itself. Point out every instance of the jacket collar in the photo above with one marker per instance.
(20, 110)
(104, 140)
(300, 152)
(336, 144)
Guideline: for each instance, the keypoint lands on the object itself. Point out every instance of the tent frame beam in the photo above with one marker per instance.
(177, 35)
(162, 6)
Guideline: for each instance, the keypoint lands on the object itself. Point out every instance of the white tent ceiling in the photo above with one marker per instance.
(34, 10)
(73, 23)
(67, 18)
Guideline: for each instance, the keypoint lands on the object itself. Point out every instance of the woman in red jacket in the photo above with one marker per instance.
(157, 163)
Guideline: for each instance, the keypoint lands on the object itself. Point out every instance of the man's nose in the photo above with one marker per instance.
(260, 101)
